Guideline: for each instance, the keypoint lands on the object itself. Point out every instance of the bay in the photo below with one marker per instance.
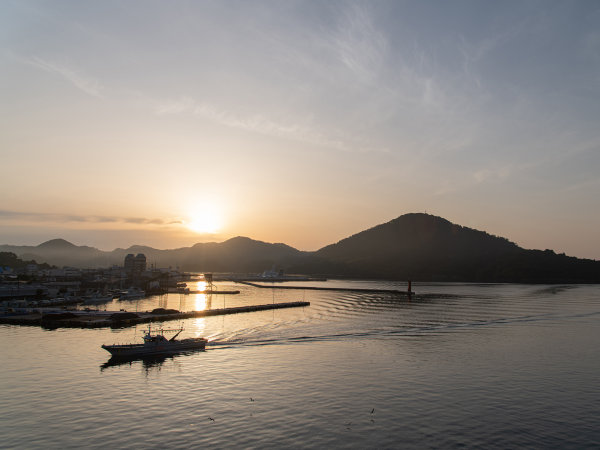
(458, 365)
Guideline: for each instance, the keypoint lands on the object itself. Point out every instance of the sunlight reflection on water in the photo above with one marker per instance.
(199, 302)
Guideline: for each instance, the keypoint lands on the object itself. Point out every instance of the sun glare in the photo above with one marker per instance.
(205, 220)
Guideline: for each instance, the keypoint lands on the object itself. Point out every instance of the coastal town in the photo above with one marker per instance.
(46, 296)
(39, 285)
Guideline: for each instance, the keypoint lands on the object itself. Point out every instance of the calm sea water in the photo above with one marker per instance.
(459, 365)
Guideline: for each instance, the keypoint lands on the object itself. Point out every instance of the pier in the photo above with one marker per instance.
(340, 289)
(121, 319)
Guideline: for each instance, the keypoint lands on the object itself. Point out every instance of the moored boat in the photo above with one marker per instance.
(156, 344)
(132, 293)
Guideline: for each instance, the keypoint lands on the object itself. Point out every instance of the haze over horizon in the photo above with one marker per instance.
(167, 124)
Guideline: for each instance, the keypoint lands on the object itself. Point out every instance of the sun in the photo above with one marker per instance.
(205, 220)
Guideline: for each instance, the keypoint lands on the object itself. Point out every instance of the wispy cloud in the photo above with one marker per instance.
(7, 215)
(477, 178)
(487, 175)
(359, 45)
(261, 124)
(85, 83)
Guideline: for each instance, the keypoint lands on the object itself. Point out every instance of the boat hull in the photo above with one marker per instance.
(156, 348)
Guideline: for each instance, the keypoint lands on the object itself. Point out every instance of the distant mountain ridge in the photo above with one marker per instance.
(419, 247)
(239, 254)
(57, 244)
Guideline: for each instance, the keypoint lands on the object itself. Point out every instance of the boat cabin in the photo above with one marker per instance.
(157, 338)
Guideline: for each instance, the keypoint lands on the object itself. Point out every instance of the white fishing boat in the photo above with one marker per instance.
(156, 344)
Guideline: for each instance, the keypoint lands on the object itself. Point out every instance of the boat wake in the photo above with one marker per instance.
(245, 338)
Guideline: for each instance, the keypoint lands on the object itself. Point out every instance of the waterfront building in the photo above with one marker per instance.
(129, 262)
(139, 263)
(135, 264)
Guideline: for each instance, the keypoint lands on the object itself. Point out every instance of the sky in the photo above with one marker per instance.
(167, 123)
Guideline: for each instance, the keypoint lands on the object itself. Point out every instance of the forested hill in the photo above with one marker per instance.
(426, 247)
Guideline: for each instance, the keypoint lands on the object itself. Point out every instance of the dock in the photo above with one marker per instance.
(121, 319)
(339, 289)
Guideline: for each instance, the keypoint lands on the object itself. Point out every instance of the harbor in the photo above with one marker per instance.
(351, 353)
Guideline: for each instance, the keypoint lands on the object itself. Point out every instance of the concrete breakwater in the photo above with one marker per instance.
(324, 288)
(120, 319)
